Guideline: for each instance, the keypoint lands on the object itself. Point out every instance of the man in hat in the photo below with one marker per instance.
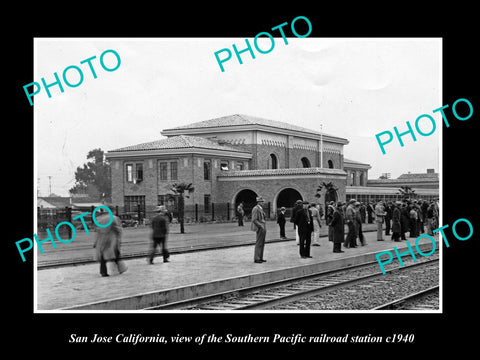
(350, 218)
(328, 219)
(304, 222)
(338, 228)
(379, 219)
(259, 226)
(296, 207)
(281, 222)
(159, 235)
(358, 224)
(396, 218)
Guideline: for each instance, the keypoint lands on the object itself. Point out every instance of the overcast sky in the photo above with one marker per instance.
(356, 88)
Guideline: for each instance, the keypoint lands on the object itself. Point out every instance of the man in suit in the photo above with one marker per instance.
(304, 222)
(281, 222)
(159, 234)
(259, 226)
(338, 227)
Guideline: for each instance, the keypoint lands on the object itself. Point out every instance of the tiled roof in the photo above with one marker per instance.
(289, 171)
(419, 176)
(178, 142)
(240, 119)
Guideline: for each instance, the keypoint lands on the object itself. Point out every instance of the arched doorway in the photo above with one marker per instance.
(287, 198)
(249, 199)
(273, 161)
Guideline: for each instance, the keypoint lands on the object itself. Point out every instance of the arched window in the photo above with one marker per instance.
(330, 164)
(273, 161)
(305, 162)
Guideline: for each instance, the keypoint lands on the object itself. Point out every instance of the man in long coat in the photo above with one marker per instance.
(259, 226)
(396, 217)
(107, 241)
(328, 219)
(338, 225)
(304, 222)
(350, 218)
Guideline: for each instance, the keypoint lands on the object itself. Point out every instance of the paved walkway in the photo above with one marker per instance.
(197, 237)
(75, 285)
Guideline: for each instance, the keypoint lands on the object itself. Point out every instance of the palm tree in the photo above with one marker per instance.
(179, 190)
(406, 192)
(330, 192)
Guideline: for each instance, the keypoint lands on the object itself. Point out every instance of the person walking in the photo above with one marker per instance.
(404, 221)
(107, 242)
(259, 226)
(240, 213)
(159, 235)
(281, 222)
(316, 224)
(379, 218)
(350, 218)
(338, 228)
(304, 222)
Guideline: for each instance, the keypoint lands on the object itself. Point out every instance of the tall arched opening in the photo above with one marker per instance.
(249, 199)
(286, 198)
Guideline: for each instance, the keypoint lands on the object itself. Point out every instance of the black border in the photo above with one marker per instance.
(50, 332)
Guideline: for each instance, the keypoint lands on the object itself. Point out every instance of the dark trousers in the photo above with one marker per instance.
(240, 220)
(387, 226)
(360, 233)
(103, 262)
(159, 241)
(337, 247)
(350, 240)
(282, 229)
(305, 240)
(259, 244)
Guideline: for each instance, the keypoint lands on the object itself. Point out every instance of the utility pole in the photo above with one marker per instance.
(49, 185)
(321, 145)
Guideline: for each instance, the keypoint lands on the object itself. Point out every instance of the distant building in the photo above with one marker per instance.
(425, 185)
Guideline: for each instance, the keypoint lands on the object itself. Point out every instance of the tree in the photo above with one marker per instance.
(406, 192)
(180, 189)
(94, 178)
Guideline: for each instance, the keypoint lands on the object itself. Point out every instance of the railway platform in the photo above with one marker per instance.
(195, 274)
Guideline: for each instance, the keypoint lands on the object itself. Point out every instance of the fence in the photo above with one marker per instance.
(196, 213)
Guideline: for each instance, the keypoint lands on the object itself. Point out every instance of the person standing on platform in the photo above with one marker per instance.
(316, 224)
(159, 235)
(358, 219)
(413, 221)
(396, 218)
(107, 242)
(404, 221)
(388, 217)
(240, 213)
(338, 228)
(304, 222)
(363, 212)
(430, 219)
(350, 218)
(379, 218)
(260, 227)
(370, 212)
(328, 219)
(281, 222)
(298, 206)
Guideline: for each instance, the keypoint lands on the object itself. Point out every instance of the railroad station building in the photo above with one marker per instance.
(232, 159)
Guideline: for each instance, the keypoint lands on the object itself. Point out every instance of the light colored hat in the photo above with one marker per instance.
(260, 199)
(282, 208)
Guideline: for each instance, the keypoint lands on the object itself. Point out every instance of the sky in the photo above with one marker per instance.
(354, 88)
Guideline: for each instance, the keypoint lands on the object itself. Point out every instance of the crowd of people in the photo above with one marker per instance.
(400, 217)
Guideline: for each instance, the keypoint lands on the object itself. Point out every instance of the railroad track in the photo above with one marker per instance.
(306, 291)
(422, 300)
